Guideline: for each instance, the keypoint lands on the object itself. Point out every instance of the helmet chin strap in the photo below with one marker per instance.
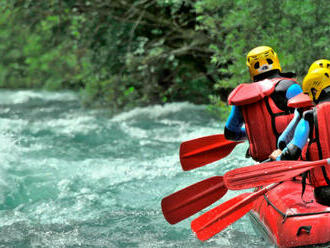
(324, 96)
(313, 90)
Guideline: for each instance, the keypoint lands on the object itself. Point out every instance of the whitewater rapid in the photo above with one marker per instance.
(77, 177)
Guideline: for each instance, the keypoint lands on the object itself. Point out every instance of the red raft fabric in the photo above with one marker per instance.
(291, 221)
(321, 148)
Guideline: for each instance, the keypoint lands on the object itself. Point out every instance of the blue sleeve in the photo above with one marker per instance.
(235, 123)
(288, 133)
(293, 90)
(301, 134)
(294, 148)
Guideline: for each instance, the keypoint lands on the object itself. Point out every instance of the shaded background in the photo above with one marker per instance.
(124, 53)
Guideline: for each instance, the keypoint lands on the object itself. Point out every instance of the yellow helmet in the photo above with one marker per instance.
(321, 63)
(262, 59)
(315, 81)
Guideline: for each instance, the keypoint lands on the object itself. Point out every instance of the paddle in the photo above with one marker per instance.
(218, 218)
(267, 173)
(198, 152)
(190, 200)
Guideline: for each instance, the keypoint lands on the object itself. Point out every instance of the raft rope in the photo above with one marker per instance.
(285, 216)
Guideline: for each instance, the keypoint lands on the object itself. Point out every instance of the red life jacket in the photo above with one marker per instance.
(264, 121)
(319, 144)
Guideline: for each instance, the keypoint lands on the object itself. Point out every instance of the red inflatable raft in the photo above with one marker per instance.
(283, 217)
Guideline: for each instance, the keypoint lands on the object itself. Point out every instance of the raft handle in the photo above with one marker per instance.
(307, 229)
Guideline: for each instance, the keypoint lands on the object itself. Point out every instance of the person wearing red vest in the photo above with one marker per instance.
(301, 105)
(311, 139)
(262, 105)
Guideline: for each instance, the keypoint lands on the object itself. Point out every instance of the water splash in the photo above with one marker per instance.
(72, 177)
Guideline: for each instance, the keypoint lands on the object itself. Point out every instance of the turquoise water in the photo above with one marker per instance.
(72, 177)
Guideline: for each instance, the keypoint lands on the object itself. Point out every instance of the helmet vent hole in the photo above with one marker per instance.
(328, 65)
(321, 64)
(326, 74)
(256, 65)
(269, 61)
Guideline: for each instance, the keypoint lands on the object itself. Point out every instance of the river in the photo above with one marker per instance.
(76, 177)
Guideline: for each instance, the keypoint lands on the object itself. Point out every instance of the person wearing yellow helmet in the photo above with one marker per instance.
(316, 83)
(321, 63)
(261, 60)
(259, 109)
(311, 138)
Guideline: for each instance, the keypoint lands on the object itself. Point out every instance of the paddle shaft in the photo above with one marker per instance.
(303, 166)
(267, 173)
(238, 205)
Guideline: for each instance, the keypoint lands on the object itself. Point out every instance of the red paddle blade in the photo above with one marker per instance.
(267, 173)
(198, 152)
(215, 220)
(190, 200)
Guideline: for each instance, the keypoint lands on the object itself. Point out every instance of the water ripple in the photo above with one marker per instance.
(72, 177)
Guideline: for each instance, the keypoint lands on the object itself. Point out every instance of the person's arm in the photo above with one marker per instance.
(294, 148)
(288, 133)
(291, 90)
(234, 129)
(285, 90)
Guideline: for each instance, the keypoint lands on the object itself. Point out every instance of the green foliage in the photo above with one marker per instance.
(130, 53)
(34, 57)
(297, 30)
(218, 107)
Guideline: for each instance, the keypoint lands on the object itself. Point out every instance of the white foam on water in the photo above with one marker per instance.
(8, 146)
(185, 134)
(68, 126)
(155, 111)
(9, 152)
(133, 132)
(165, 128)
(8, 125)
(77, 194)
(24, 96)
(120, 171)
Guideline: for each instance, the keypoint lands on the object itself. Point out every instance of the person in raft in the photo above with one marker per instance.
(261, 105)
(288, 133)
(311, 138)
